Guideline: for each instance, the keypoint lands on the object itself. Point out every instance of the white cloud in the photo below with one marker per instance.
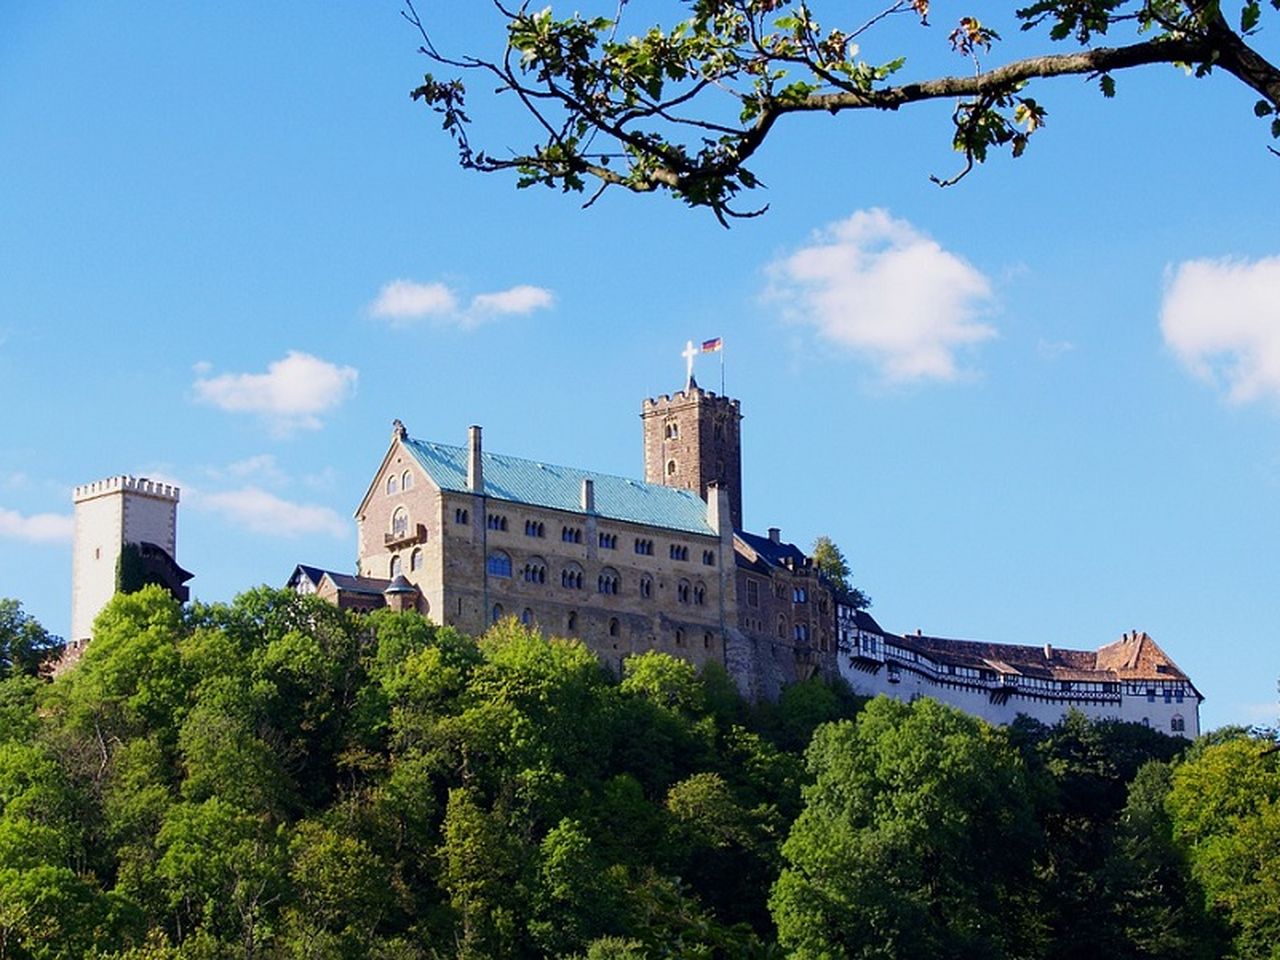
(879, 287)
(520, 299)
(1053, 349)
(261, 512)
(1222, 319)
(290, 395)
(37, 528)
(404, 302)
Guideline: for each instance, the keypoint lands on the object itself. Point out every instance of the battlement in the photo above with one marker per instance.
(126, 484)
(686, 396)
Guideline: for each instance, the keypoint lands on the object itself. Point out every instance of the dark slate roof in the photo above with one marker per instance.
(776, 553)
(560, 488)
(864, 621)
(352, 584)
(400, 585)
(311, 573)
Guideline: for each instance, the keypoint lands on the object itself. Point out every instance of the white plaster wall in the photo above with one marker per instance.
(977, 702)
(95, 549)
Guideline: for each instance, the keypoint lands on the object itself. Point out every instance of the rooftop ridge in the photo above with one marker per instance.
(545, 465)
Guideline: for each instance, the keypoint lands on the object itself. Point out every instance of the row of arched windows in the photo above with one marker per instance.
(397, 483)
(396, 566)
(571, 534)
(535, 528)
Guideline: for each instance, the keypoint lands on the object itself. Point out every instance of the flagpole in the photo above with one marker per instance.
(722, 393)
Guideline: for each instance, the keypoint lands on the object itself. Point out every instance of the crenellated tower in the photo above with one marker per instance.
(692, 439)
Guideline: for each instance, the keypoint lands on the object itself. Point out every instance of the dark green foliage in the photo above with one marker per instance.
(275, 778)
(24, 644)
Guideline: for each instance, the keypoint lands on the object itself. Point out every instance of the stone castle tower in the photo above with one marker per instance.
(114, 517)
(692, 439)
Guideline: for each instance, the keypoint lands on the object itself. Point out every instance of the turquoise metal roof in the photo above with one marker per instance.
(560, 488)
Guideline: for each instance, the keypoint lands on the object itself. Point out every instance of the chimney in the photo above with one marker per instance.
(718, 511)
(1048, 651)
(475, 467)
(775, 534)
(588, 495)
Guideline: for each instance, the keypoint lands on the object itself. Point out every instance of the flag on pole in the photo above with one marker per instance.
(711, 346)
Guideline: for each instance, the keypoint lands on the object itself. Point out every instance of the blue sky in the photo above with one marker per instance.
(1040, 406)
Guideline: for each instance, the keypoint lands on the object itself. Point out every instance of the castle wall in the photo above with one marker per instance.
(1170, 707)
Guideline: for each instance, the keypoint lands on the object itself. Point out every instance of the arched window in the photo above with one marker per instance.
(679, 637)
(406, 480)
(614, 628)
(646, 586)
(699, 594)
(460, 515)
(535, 571)
(395, 566)
(671, 468)
(706, 640)
(708, 558)
(571, 624)
(499, 564)
(607, 582)
(682, 591)
(527, 617)
(497, 612)
(415, 559)
(1177, 724)
(782, 628)
(571, 577)
(400, 521)
(673, 430)
(392, 486)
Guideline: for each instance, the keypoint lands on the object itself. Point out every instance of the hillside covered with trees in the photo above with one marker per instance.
(275, 778)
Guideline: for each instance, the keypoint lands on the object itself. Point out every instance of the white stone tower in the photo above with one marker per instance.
(109, 515)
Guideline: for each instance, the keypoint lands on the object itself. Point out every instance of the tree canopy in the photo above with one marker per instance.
(682, 105)
(278, 779)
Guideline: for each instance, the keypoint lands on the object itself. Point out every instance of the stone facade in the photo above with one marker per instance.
(476, 551)
(693, 439)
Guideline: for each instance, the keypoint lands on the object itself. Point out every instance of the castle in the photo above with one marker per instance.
(467, 537)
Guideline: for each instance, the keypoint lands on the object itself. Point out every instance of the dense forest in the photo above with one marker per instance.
(275, 778)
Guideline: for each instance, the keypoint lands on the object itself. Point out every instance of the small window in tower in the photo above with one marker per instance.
(395, 567)
(415, 559)
(671, 468)
(673, 430)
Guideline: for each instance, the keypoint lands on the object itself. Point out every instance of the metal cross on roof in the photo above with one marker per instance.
(690, 351)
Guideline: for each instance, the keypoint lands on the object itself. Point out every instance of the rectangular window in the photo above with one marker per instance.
(753, 593)
(1151, 694)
